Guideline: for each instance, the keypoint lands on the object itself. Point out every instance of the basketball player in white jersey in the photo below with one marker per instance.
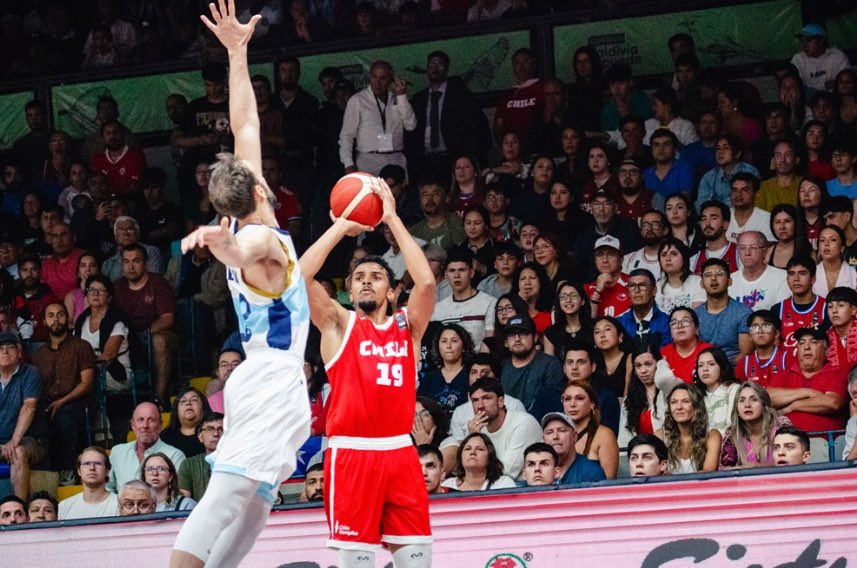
(266, 405)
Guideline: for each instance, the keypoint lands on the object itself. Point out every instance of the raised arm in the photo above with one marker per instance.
(421, 303)
(243, 115)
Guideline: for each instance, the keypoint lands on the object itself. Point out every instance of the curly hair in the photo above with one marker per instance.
(594, 416)
(739, 432)
(466, 343)
(637, 400)
(698, 429)
(495, 466)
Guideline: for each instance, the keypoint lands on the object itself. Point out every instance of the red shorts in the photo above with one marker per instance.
(372, 496)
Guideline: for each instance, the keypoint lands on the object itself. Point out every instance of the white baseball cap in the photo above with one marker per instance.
(608, 241)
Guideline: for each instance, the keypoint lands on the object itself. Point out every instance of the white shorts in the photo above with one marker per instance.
(267, 418)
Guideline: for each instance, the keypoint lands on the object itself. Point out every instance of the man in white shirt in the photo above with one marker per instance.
(757, 285)
(468, 307)
(376, 119)
(126, 458)
(817, 62)
(745, 215)
(93, 467)
(654, 228)
(510, 431)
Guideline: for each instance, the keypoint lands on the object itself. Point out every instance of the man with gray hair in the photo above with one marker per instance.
(376, 119)
(126, 232)
(757, 285)
(137, 498)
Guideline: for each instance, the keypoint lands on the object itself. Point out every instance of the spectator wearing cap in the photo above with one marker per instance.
(624, 98)
(715, 184)
(842, 335)
(669, 174)
(722, 321)
(813, 393)
(654, 228)
(558, 431)
(204, 128)
(839, 212)
(534, 378)
(21, 425)
(510, 431)
(609, 292)
(645, 322)
(817, 62)
(507, 257)
(607, 222)
(633, 199)
(746, 215)
(843, 158)
(449, 122)
(467, 306)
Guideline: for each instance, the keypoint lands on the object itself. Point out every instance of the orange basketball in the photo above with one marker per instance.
(352, 197)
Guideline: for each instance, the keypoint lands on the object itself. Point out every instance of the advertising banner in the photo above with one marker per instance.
(483, 61)
(786, 520)
(13, 125)
(728, 36)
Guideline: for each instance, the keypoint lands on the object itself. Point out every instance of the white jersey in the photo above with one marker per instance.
(266, 321)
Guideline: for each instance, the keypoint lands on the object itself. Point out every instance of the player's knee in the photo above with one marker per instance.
(413, 556)
(355, 558)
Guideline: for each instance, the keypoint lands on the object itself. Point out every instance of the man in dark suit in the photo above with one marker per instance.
(449, 122)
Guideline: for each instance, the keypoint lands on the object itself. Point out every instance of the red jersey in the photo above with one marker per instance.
(730, 256)
(638, 208)
(519, 107)
(683, 367)
(123, 173)
(288, 208)
(615, 300)
(793, 319)
(373, 380)
(827, 379)
(751, 368)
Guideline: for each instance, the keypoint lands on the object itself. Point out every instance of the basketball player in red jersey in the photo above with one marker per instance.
(374, 490)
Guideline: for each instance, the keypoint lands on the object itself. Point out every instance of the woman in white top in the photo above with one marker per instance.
(692, 446)
(832, 271)
(716, 378)
(478, 467)
(677, 286)
(159, 471)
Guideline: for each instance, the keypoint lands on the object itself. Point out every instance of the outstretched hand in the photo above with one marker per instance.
(231, 33)
(208, 236)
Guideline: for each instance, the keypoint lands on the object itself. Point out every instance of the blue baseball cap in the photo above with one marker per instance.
(812, 30)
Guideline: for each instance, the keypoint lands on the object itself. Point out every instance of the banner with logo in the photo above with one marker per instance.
(797, 520)
(13, 125)
(483, 61)
(728, 36)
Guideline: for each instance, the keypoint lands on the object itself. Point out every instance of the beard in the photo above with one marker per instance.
(652, 240)
(631, 189)
(367, 306)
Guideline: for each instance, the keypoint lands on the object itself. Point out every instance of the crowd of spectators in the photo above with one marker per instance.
(44, 37)
(673, 273)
